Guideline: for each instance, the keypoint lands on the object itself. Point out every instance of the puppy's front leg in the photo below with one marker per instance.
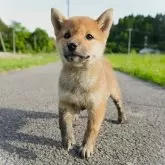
(95, 118)
(66, 115)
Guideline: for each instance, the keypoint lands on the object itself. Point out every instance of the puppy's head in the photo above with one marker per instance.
(81, 40)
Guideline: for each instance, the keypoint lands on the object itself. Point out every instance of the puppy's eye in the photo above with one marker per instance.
(67, 35)
(89, 37)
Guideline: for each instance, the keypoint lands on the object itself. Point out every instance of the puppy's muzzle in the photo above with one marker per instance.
(72, 56)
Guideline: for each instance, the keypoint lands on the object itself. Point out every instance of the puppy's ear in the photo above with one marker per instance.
(105, 21)
(57, 20)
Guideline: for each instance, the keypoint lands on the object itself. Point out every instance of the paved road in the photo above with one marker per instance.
(29, 131)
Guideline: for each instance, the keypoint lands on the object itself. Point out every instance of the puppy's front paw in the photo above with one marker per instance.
(86, 151)
(68, 143)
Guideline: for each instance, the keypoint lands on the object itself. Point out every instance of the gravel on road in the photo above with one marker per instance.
(29, 132)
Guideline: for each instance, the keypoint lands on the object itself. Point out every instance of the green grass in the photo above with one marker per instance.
(12, 63)
(146, 67)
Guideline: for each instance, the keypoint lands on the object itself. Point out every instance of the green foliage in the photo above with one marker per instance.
(152, 27)
(21, 37)
(40, 40)
(146, 67)
(3, 26)
(20, 62)
(51, 45)
(4, 30)
(26, 41)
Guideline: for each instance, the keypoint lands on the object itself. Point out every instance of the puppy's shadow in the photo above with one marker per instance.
(112, 121)
(75, 152)
(106, 120)
(11, 121)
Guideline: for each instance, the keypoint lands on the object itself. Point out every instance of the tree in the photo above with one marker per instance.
(3, 26)
(41, 41)
(21, 37)
(151, 28)
(143, 27)
(3, 30)
(25, 41)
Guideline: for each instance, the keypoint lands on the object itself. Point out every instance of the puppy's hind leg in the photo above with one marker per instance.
(116, 97)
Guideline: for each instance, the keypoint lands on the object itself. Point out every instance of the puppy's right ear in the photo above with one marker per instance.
(57, 20)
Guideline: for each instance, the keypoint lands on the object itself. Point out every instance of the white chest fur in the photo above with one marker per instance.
(75, 87)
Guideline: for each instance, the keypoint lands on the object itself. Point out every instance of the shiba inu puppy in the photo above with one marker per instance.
(87, 79)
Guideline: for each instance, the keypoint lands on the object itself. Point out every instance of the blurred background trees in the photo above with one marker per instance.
(25, 41)
(146, 31)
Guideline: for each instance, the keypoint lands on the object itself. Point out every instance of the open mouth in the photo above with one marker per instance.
(75, 57)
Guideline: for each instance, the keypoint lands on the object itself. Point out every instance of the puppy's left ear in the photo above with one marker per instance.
(105, 21)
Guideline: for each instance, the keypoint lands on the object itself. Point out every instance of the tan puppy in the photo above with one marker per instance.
(87, 79)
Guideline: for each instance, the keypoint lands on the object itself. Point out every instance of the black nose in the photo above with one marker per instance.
(72, 46)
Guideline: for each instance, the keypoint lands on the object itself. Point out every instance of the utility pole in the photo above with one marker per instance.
(129, 40)
(68, 8)
(14, 50)
(145, 41)
(2, 42)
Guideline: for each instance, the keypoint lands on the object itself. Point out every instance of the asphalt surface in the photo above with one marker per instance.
(29, 133)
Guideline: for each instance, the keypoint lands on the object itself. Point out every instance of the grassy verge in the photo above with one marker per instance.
(20, 62)
(147, 67)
